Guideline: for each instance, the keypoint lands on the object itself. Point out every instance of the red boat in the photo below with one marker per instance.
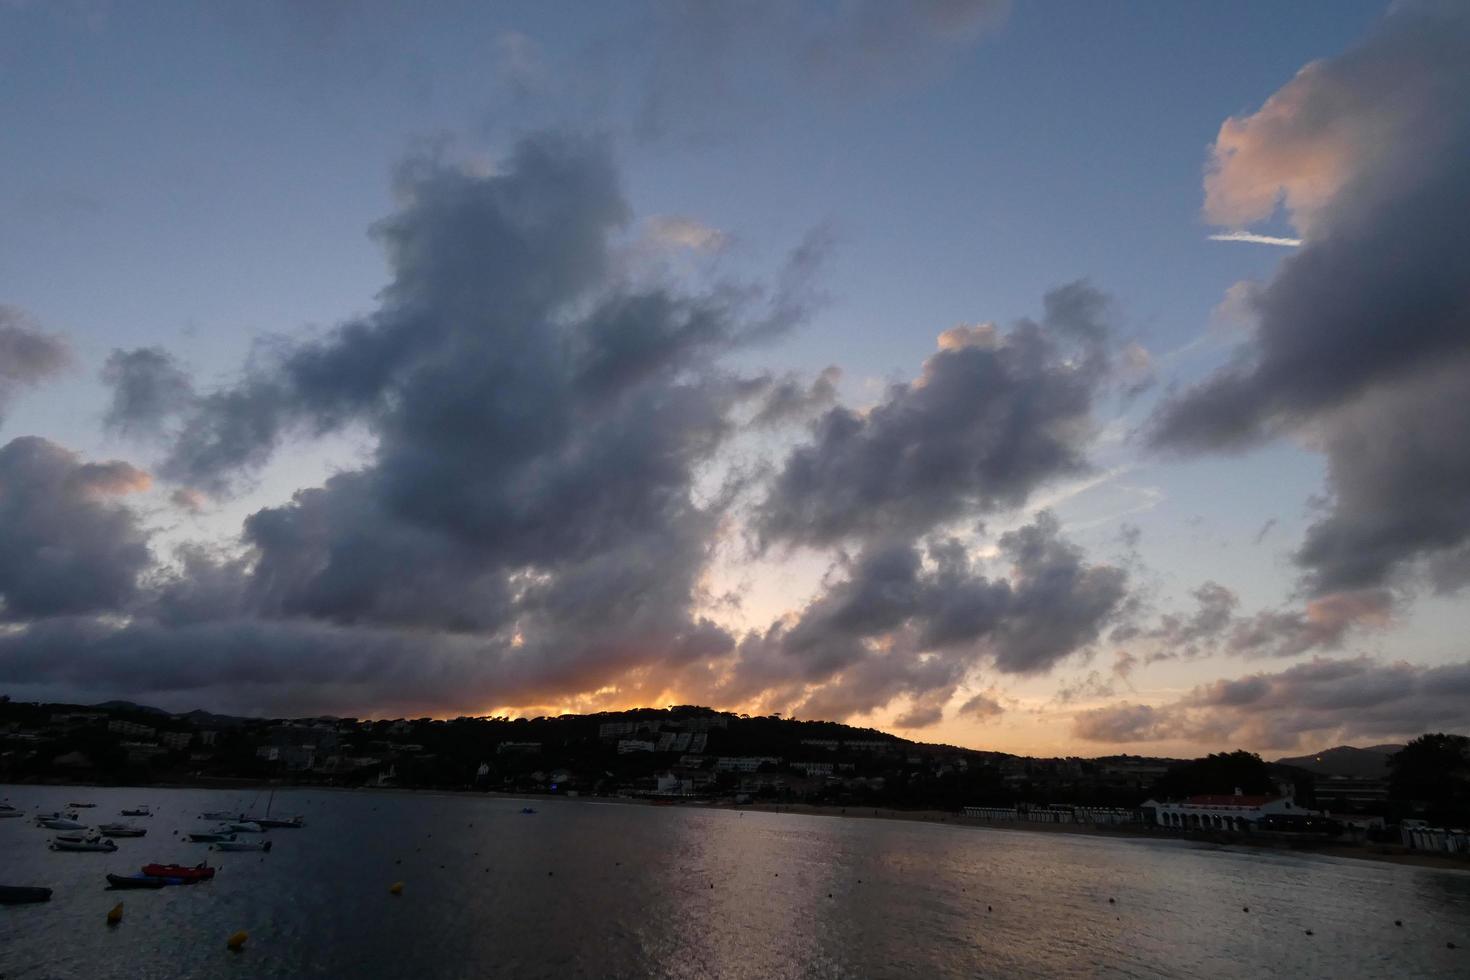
(202, 872)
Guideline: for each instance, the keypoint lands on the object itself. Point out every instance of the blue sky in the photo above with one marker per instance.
(203, 176)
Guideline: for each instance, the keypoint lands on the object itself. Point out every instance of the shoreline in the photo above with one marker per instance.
(1379, 853)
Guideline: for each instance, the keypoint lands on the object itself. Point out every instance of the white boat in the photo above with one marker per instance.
(242, 845)
(246, 827)
(218, 815)
(121, 830)
(60, 823)
(83, 844)
(269, 822)
(211, 836)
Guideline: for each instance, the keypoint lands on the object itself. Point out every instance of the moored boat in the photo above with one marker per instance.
(219, 815)
(138, 811)
(121, 830)
(101, 845)
(141, 881)
(21, 894)
(60, 823)
(186, 874)
(80, 806)
(11, 812)
(281, 823)
(211, 837)
(242, 845)
(246, 827)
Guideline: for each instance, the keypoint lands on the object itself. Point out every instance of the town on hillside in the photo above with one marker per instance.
(1416, 796)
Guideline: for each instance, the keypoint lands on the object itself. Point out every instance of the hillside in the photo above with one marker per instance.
(1346, 760)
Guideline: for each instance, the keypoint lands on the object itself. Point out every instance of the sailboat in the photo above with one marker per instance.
(269, 822)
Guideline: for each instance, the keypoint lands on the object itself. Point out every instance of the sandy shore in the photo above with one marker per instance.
(1367, 851)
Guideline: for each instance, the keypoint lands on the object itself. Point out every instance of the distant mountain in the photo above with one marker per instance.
(1346, 760)
(129, 706)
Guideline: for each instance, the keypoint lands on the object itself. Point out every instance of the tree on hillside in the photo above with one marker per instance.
(1220, 773)
(1431, 775)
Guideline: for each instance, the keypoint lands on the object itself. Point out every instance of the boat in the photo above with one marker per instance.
(186, 874)
(219, 815)
(527, 809)
(137, 811)
(83, 844)
(246, 827)
(242, 845)
(11, 812)
(141, 881)
(211, 837)
(121, 830)
(60, 823)
(80, 806)
(21, 894)
(280, 823)
(271, 823)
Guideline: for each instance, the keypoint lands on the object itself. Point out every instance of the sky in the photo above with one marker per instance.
(1055, 378)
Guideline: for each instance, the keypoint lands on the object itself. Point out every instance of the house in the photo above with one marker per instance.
(1236, 811)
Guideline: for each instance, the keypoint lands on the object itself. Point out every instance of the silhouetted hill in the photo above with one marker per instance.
(1346, 760)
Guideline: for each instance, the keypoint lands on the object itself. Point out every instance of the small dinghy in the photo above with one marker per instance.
(185, 874)
(211, 836)
(218, 815)
(121, 830)
(80, 806)
(21, 894)
(60, 823)
(527, 809)
(10, 812)
(138, 811)
(141, 881)
(242, 845)
(246, 827)
(102, 844)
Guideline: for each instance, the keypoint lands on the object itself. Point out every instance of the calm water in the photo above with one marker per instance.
(583, 889)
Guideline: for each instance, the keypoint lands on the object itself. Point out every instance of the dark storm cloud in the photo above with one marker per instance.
(788, 400)
(28, 355)
(528, 526)
(1324, 623)
(149, 389)
(1319, 703)
(66, 545)
(1363, 337)
(993, 416)
(912, 623)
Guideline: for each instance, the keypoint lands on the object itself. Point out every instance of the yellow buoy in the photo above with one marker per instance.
(237, 941)
(396, 888)
(115, 915)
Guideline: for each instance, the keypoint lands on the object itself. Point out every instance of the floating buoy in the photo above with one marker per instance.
(114, 915)
(1245, 908)
(1112, 901)
(1309, 932)
(1398, 922)
(236, 942)
(1449, 945)
(990, 908)
(396, 888)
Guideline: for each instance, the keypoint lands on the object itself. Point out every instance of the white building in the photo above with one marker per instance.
(744, 763)
(628, 745)
(1233, 812)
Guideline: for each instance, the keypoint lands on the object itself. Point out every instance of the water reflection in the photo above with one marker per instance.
(581, 889)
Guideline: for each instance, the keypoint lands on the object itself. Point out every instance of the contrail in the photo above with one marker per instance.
(1254, 239)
